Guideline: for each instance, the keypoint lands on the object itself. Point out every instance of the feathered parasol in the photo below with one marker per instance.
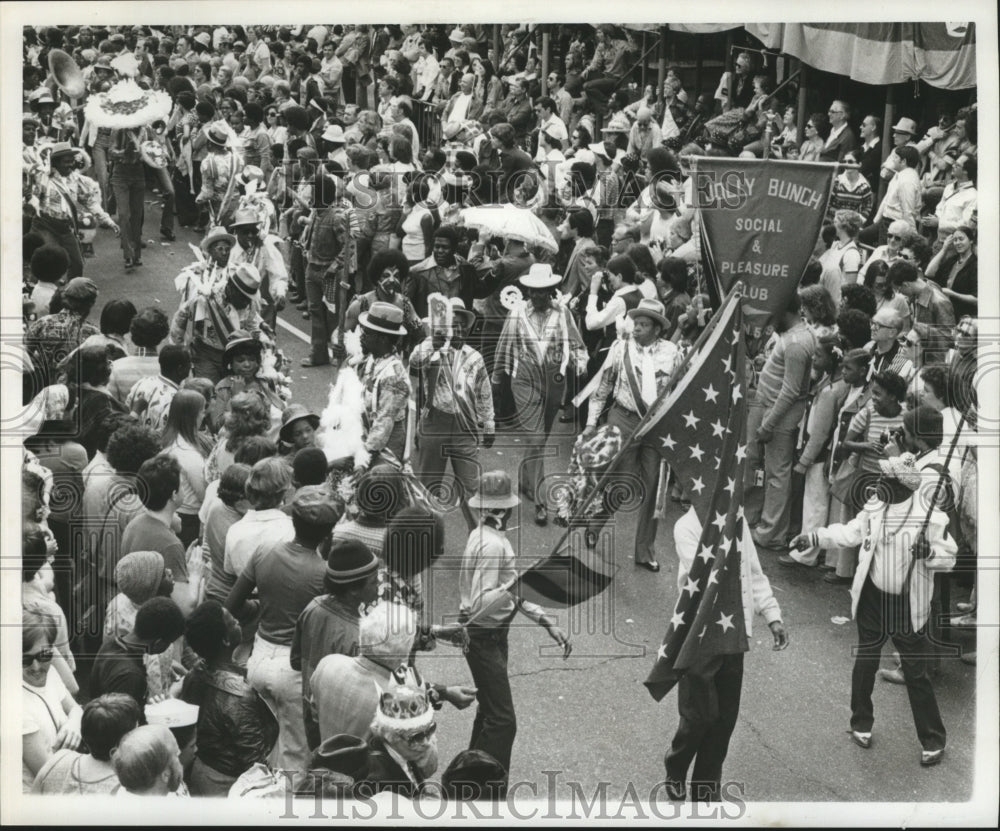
(127, 105)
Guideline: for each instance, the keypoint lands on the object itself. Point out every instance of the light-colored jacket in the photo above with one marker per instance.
(866, 530)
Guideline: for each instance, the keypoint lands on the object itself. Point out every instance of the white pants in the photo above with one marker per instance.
(270, 673)
(815, 510)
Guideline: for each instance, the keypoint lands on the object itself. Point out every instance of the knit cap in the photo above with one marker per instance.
(139, 575)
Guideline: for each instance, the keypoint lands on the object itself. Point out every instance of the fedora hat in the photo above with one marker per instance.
(217, 135)
(293, 413)
(540, 276)
(244, 217)
(495, 491)
(62, 148)
(453, 129)
(204, 38)
(246, 280)
(650, 308)
(240, 341)
(905, 125)
(383, 317)
(215, 235)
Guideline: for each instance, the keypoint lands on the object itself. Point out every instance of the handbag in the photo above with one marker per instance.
(842, 483)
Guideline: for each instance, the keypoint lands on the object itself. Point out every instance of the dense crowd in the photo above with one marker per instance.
(218, 583)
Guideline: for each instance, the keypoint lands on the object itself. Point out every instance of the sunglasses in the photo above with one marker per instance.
(893, 236)
(422, 736)
(42, 656)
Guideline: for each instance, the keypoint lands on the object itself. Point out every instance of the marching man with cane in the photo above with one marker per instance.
(891, 595)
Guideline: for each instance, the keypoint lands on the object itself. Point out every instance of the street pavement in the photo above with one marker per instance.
(589, 719)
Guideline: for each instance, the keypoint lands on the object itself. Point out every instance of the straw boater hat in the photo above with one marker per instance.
(495, 491)
(540, 276)
(215, 235)
(386, 318)
(292, 414)
(172, 712)
(653, 309)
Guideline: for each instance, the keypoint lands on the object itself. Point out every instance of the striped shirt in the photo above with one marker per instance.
(785, 379)
(465, 377)
(867, 425)
(666, 356)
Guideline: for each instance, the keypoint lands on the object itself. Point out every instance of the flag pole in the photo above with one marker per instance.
(675, 377)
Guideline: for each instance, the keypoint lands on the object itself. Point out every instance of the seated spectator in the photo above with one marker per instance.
(932, 315)
(958, 201)
(119, 665)
(148, 329)
(886, 348)
(236, 729)
(148, 761)
(104, 722)
(955, 268)
(851, 191)
(817, 131)
(858, 296)
(877, 279)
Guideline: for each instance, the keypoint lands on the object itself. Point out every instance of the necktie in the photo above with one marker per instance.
(648, 376)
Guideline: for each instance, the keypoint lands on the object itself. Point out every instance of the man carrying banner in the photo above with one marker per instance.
(635, 374)
(487, 608)
(708, 695)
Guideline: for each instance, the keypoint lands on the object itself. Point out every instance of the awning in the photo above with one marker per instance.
(941, 54)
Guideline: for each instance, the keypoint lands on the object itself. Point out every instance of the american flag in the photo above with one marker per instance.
(701, 425)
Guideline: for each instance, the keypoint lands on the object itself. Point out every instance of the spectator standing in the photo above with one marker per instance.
(772, 427)
(150, 397)
(148, 329)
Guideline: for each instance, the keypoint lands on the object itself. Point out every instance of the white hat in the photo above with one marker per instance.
(172, 712)
(540, 276)
(905, 125)
(334, 133)
(556, 130)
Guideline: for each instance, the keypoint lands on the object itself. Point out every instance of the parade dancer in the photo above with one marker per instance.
(539, 344)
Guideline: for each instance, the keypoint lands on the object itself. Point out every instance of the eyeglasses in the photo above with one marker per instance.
(893, 236)
(876, 325)
(43, 656)
(835, 112)
(422, 736)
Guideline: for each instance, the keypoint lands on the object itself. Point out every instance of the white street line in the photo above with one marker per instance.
(302, 336)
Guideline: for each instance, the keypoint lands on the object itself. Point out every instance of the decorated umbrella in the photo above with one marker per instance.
(127, 105)
(511, 222)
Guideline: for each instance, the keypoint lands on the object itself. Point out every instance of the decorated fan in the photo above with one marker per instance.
(440, 314)
(127, 105)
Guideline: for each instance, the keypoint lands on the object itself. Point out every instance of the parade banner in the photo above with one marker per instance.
(759, 223)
